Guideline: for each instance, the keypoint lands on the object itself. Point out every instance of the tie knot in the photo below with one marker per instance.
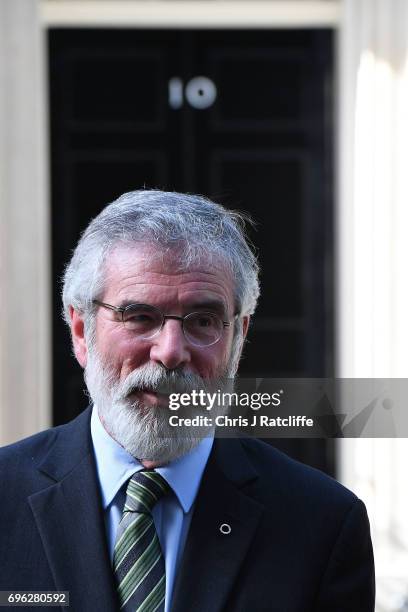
(144, 491)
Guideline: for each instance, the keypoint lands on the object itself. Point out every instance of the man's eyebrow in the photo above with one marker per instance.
(125, 303)
(211, 305)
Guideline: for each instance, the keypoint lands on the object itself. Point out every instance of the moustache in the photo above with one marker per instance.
(156, 379)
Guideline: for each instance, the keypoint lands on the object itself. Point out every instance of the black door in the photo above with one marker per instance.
(241, 116)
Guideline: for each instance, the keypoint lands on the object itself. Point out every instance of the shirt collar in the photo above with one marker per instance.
(115, 466)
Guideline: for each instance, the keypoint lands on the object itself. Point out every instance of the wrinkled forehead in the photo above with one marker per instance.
(147, 260)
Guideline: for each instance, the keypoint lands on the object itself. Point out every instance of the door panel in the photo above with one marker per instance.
(255, 176)
(127, 113)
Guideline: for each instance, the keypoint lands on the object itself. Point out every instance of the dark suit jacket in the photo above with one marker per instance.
(299, 541)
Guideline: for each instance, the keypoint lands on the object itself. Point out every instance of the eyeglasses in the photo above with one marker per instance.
(145, 321)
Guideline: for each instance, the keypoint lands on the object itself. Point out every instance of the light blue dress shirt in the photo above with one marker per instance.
(172, 514)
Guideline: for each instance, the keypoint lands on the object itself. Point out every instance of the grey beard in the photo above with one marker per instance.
(144, 431)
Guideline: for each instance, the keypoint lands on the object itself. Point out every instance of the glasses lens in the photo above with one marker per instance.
(143, 320)
(202, 328)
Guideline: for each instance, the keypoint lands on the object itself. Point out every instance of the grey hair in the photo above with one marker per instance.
(197, 227)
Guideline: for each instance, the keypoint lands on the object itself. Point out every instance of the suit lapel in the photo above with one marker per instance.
(212, 559)
(68, 515)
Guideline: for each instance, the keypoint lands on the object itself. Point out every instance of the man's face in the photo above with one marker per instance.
(120, 361)
(136, 275)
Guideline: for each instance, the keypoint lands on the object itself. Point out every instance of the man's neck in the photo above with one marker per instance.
(149, 465)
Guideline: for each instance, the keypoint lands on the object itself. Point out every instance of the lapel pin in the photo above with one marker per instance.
(225, 529)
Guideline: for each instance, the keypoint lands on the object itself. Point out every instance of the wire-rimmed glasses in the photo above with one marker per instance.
(146, 322)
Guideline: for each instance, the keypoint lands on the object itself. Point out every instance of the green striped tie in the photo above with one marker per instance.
(138, 560)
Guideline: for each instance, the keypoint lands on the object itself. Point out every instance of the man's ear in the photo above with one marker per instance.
(78, 336)
(245, 325)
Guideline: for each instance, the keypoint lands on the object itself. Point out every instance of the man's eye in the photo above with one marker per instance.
(204, 321)
(140, 318)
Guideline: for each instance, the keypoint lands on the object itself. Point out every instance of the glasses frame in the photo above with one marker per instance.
(122, 309)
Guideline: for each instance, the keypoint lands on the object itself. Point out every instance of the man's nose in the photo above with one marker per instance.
(170, 347)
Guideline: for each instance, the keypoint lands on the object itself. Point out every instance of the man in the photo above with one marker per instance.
(124, 511)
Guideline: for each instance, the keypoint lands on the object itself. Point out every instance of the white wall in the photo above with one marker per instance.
(372, 254)
(24, 229)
